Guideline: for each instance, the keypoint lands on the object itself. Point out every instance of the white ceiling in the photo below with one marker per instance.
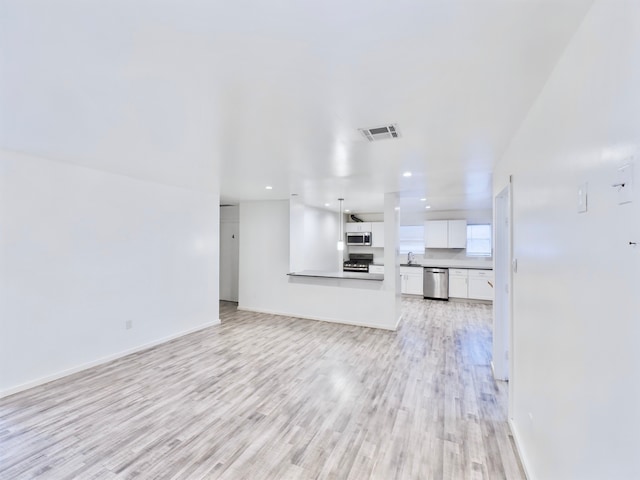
(251, 93)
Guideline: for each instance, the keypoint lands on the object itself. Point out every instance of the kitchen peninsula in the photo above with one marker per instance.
(301, 275)
(339, 275)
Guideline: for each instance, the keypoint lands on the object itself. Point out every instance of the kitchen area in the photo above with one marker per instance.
(326, 265)
(442, 269)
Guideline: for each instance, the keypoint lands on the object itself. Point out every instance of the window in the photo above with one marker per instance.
(479, 240)
(412, 239)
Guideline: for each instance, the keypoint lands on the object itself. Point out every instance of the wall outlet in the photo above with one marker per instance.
(128, 324)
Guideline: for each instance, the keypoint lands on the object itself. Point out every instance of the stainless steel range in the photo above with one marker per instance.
(358, 262)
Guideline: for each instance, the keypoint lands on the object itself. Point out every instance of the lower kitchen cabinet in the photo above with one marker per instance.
(411, 280)
(414, 284)
(471, 283)
(458, 283)
(379, 269)
(481, 284)
(475, 284)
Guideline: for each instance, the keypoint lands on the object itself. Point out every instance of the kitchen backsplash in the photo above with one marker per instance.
(429, 254)
(445, 254)
(378, 253)
(451, 254)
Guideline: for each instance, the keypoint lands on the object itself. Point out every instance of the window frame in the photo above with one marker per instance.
(485, 253)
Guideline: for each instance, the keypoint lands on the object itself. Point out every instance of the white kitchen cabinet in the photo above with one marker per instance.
(358, 227)
(411, 280)
(481, 284)
(471, 283)
(377, 234)
(445, 234)
(436, 234)
(379, 269)
(458, 283)
(457, 233)
(414, 284)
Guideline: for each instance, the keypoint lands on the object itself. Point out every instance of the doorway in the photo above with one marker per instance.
(502, 323)
(229, 252)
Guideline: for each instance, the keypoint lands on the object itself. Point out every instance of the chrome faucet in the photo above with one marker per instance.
(409, 258)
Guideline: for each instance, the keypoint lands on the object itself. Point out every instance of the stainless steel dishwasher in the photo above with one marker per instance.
(435, 283)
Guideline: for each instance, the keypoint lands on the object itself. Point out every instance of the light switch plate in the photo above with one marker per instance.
(582, 198)
(625, 177)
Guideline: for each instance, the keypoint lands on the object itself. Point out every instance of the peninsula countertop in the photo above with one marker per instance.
(339, 275)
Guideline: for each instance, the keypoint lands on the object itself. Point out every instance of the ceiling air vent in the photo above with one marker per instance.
(380, 133)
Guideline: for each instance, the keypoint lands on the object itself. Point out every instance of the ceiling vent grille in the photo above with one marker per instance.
(380, 133)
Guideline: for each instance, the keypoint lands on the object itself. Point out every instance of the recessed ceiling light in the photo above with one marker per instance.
(423, 199)
(268, 187)
(347, 210)
(407, 174)
(428, 206)
(326, 205)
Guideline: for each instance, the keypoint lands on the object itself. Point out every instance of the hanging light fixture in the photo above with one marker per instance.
(340, 223)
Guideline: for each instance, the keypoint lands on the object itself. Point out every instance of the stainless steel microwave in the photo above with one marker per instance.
(359, 238)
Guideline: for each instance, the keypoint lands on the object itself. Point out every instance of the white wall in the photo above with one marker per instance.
(82, 252)
(265, 286)
(320, 240)
(576, 376)
(313, 238)
(296, 234)
(391, 251)
(116, 86)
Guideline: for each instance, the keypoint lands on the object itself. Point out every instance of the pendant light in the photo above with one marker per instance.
(340, 223)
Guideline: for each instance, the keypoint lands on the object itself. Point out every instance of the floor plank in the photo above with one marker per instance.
(264, 396)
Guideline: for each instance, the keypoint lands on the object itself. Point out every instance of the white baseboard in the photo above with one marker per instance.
(493, 372)
(100, 361)
(321, 319)
(520, 451)
(398, 322)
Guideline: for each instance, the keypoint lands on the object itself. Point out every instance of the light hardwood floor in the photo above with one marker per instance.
(268, 397)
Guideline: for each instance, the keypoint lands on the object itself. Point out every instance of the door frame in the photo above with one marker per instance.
(229, 260)
(502, 358)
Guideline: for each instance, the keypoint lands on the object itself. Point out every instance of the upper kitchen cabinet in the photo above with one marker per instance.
(457, 230)
(358, 227)
(445, 234)
(436, 234)
(377, 234)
